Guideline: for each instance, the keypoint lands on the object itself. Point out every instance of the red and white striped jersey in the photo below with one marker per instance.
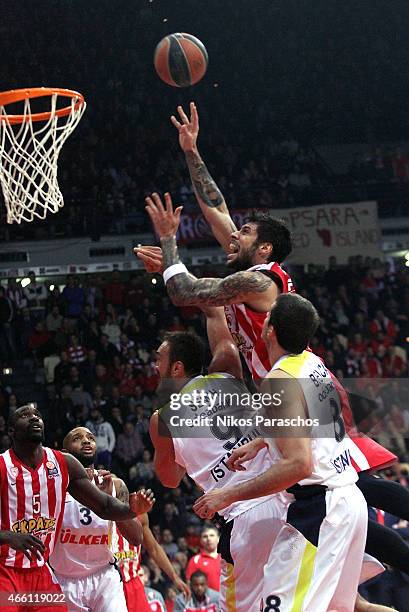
(32, 501)
(245, 324)
(128, 556)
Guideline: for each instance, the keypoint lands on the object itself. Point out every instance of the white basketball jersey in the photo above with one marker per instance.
(332, 465)
(204, 455)
(84, 542)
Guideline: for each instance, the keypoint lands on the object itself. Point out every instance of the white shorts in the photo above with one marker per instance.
(99, 592)
(248, 539)
(317, 560)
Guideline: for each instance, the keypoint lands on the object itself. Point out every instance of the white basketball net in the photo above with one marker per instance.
(28, 161)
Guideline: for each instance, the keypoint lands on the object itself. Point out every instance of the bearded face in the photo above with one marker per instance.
(241, 256)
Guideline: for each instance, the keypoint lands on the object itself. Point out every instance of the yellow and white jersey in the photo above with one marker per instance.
(203, 447)
(332, 465)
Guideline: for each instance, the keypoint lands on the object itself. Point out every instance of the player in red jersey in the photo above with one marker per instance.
(129, 561)
(34, 481)
(184, 288)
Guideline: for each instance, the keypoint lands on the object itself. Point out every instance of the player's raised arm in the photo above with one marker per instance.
(226, 357)
(250, 287)
(105, 506)
(209, 196)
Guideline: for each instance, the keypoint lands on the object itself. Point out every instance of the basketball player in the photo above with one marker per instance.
(82, 558)
(128, 557)
(246, 325)
(367, 455)
(251, 527)
(179, 363)
(34, 481)
(315, 563)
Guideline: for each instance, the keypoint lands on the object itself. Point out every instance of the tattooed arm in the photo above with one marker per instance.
(251, 288)
(209, 196)
(131, 530)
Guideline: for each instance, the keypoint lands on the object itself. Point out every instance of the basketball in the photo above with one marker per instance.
(180, 60)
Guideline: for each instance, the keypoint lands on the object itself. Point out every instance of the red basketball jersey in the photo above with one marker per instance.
(128, 555)
(245, 324)
(32, 501)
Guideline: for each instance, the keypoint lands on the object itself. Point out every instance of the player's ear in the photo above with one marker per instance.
(271, 333)
(266, 249)
(178, 369)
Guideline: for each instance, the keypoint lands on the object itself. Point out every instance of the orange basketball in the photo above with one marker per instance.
(180, 60)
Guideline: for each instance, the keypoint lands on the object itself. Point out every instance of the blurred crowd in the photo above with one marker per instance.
(302, 88)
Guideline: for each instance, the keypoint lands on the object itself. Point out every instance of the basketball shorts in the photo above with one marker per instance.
(317, 559)
(245, 547)
(35, 580)
(135, 596)
(99, 592)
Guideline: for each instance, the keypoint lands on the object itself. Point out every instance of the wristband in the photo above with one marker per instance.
(178, 268)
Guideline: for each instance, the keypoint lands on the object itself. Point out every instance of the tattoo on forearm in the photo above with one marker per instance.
(204, 185)
(169, 251)
(184, 289)
(122, 492)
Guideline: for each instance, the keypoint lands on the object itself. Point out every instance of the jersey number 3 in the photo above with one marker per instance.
(87, 518)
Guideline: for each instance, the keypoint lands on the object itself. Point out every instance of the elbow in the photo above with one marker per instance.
(302, 468)
(180, 299)
(169, 482)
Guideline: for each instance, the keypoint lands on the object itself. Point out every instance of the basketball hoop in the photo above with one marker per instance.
(30, 144)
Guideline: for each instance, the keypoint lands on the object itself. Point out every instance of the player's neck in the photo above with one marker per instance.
(29, 453)
(274, 353)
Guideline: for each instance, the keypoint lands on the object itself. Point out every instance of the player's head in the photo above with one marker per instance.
(291, 324)
(81, 443)
(262, 239)
(26, 425)
(181, 355)
(198, 584)
(209, 539)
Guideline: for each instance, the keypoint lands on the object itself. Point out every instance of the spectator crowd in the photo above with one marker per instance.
(303, 89)
(91, 344)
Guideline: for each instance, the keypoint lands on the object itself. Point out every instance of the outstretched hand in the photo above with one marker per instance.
(165, 220)
(142, 501)
(188, 128)
(151, 257)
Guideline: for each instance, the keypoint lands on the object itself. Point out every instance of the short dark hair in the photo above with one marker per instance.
(188, 348)
(209, 528)
(14, 415)
(295, 321)
(275, 231)
(198, 574)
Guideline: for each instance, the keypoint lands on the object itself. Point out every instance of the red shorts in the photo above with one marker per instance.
(135, 596)
(35, 580)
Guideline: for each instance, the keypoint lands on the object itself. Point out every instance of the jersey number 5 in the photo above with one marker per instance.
(36, 504)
